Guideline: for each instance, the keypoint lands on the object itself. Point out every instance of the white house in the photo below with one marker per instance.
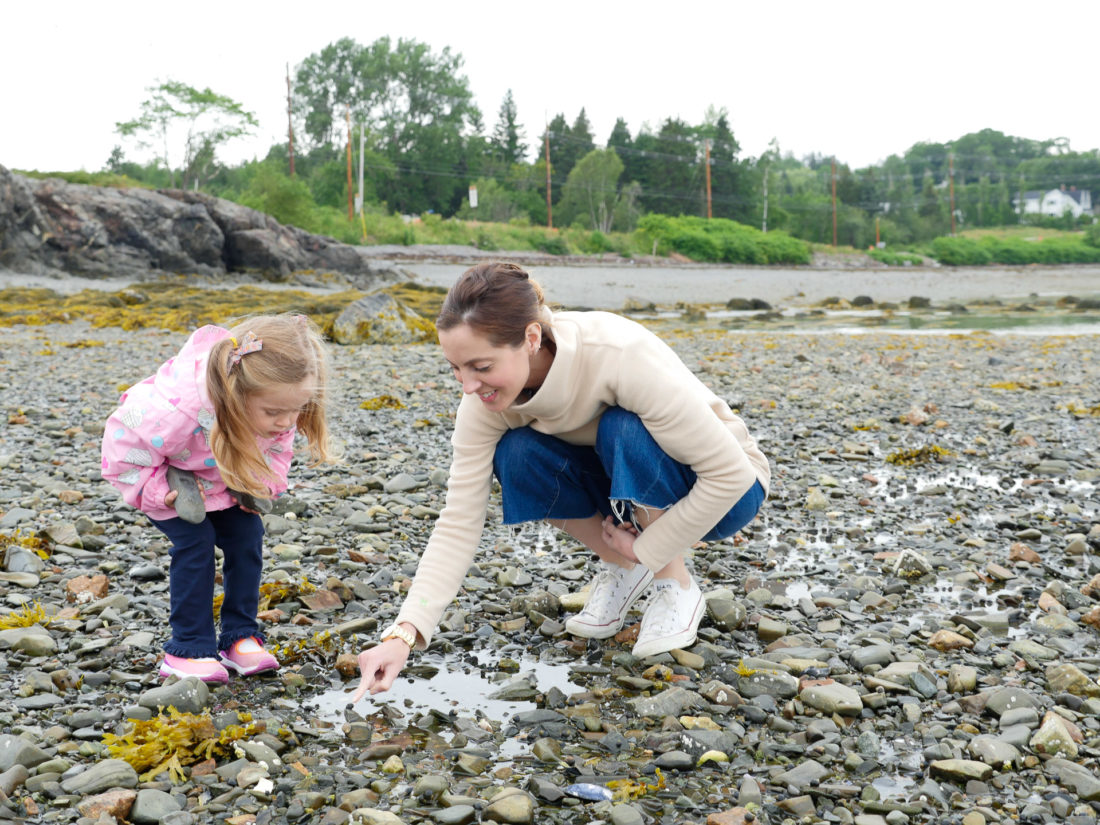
(1056, 202)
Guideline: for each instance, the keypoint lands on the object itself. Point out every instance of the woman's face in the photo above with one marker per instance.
(495, 374)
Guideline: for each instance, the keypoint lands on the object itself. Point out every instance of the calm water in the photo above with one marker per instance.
(608, 287)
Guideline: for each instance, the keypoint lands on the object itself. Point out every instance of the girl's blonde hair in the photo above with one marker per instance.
(292, 351)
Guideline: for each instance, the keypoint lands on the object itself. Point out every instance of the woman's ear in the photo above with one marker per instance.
(533, 334)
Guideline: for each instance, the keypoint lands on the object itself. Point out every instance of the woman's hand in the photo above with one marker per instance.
(620, 538)
(379, 666)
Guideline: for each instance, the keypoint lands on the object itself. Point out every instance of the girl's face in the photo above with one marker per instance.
(275, 410)
(496, 374)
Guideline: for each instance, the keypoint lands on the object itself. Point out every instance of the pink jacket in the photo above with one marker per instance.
(166, 419)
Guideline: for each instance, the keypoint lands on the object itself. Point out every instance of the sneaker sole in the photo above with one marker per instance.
(684, 638)
(211, 679)
(606, 631)
(240, 670)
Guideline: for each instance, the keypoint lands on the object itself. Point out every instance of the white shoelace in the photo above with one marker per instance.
(661, 617)
(605, 579)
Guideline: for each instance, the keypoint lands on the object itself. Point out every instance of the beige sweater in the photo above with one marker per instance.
(602, 360)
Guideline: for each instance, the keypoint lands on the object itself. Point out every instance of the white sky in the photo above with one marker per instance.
(861, 80)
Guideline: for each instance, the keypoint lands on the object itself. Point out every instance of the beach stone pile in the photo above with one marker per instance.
(909, 632)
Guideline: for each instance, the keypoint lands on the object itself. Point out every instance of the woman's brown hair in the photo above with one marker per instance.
(498, 300)
(292, 351)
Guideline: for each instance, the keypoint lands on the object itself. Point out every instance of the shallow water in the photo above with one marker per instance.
(453, 689)
(607, 287)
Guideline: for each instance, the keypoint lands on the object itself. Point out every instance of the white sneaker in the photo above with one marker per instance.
(612, 592)
(671, 618)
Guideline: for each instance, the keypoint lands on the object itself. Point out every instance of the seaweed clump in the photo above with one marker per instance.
(919, 455)
(172, 741)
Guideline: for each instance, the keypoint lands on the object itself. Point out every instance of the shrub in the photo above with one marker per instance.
(959, 252)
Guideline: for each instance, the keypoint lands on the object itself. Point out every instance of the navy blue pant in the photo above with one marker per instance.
(240, 535)
(542, 477)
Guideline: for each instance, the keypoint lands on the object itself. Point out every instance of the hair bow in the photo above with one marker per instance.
(250, 343)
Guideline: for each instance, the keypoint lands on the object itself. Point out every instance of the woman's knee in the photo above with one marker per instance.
(619, 427)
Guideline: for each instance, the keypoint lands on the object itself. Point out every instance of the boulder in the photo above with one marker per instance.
(52, 227)
(379, 318)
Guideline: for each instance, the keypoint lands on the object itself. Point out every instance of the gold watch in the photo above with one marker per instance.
(396, 631)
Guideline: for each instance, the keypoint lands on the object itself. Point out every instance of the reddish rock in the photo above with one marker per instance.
(1092, 617)
(949, 640)
(734, 816)
(86, 588)
(1093, 587)
(115, 803)
(322, 601)
(347, 665)
(1049, 604)
(1021, 552)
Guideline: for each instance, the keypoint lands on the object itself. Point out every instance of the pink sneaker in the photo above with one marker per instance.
(247, 657)
(207, 669)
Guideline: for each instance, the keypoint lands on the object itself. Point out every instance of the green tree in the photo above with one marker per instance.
(415, 104)
(507, 140)
(206, 119)
(732, 192)
(591, 193)
(671, 173)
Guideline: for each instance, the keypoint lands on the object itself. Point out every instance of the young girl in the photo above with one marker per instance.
(592, 423)
(224, 411)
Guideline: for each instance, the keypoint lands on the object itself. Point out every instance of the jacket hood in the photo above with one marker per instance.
(182, 379)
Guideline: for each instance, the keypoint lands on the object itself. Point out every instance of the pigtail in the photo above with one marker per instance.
(232, 438)
(264, 351)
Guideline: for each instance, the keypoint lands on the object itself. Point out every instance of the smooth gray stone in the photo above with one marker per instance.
(15, 750)
(455, 815)
(12, 779)
(152, 806)
(109, 773)
(1010, 698)
(995, 752)
(188, 504)
(625, 814)
(250, 502)
(671, 702)
(803, 776)
(1078, 779)
(16, 515)
(34, 640)
(1019, 716)
(188, 695)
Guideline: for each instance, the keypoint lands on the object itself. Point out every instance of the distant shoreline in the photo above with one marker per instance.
(607, 282)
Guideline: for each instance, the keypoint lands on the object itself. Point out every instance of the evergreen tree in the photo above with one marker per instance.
(508, 138)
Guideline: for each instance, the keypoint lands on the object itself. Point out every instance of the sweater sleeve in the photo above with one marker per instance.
(679, 412)
(457, 532)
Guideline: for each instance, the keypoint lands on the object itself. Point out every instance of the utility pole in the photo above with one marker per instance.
(347, 116)
(706, 153)
(290, 120)
(951, 184)
(767, 169)
(549, 209)
(834, 202)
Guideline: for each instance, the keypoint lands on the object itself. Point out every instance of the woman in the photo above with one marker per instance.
(592, 423)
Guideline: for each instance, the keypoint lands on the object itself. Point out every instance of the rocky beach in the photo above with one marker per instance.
(909, 632)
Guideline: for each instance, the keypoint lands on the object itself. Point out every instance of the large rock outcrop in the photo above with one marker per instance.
(51, 227)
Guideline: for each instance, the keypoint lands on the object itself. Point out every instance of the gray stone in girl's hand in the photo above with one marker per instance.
(250, 502)
(189, 504)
